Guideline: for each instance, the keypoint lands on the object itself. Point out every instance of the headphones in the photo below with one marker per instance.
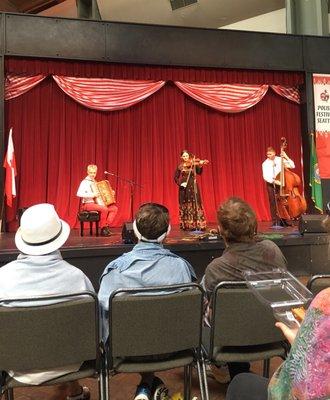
(142, 238)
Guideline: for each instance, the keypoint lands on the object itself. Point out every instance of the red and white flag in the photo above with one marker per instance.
(10, 165)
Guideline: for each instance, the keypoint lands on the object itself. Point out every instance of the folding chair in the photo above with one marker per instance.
(46, 335)
(156, 329)
(242, 328)
(318, 282)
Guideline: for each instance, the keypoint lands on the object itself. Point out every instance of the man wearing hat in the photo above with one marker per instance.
(41, 271)
(148, 264)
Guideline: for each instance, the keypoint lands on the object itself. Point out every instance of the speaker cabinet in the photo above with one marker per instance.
(127, 233)
(311, 224)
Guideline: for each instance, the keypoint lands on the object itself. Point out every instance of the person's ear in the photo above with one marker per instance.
(163, 236)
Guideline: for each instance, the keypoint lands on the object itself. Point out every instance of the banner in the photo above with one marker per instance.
(321, 84)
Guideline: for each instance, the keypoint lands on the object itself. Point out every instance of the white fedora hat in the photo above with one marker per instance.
(41, 230)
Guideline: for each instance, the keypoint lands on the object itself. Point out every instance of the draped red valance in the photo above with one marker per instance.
(114, 94)
(234, 98)
(225, 98)
(16, 85)
(107, 94)
(291, 93)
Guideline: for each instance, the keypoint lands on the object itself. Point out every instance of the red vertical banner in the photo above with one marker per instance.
(321, 84)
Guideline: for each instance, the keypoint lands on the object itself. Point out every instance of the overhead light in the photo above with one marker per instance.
(176, 4)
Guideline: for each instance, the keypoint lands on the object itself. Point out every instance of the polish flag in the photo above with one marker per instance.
(10, 165)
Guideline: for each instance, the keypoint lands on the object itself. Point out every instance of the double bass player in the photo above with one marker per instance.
(271, 168)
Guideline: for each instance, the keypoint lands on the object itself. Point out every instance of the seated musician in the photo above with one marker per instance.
(271, 168)
(91, 200)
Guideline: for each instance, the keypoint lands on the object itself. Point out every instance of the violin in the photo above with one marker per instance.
(195, 162)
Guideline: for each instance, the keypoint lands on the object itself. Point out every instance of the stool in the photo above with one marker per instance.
(89, 216)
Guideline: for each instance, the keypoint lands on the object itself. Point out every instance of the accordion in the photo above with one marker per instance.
(106, 195)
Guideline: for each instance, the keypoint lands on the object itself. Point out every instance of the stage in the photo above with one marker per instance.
(307, 254)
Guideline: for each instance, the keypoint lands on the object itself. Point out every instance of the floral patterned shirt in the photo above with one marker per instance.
(305, 374)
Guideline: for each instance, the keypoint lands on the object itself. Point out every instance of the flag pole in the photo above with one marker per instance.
(314, 177)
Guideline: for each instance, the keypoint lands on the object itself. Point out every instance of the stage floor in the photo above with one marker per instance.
(306, 254)
(176, 236)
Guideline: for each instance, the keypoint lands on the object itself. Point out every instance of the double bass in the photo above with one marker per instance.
(290, 203)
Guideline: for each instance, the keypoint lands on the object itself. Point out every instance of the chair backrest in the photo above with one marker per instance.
(153, 321)
(318, 282)
(49, 335)
(240, 319)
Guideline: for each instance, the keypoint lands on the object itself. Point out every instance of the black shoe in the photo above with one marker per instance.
(286, 222)
(105, 231)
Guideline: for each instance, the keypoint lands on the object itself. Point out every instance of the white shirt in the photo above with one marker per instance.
(86, 191)
(271, 168)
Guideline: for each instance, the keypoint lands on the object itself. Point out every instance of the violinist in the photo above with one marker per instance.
(191, 212)
(271, 168)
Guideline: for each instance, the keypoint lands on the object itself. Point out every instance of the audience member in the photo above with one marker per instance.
(305, 374)
(41, 271)
(148, 264)
(238, 227)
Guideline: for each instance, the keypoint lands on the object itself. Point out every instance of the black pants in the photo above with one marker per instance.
(248, 387)
(272, 201)
(236, 368)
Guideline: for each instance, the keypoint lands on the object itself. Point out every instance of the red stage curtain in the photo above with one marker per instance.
(55, 138)
(91, 69)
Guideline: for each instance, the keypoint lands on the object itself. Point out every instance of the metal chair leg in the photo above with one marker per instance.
(265, 372)
(9, 394)
(104, 374)
(200, 379)
(187, 382)
(204, 375)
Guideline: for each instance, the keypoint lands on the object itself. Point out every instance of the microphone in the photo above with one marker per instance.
(108, 173)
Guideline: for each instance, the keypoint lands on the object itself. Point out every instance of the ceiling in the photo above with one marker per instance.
(205, 13)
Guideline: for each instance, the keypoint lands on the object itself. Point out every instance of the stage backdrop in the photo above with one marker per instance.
(55, 138)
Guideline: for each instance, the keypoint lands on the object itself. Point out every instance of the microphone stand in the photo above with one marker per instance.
(132, 184)
(196, 230)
